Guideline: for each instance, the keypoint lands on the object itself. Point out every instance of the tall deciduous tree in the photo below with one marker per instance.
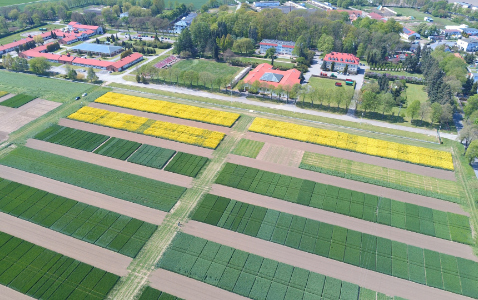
(39, 65)
(413, 109)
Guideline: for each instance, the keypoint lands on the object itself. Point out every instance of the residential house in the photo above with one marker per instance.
(341, 60)
(282, 47)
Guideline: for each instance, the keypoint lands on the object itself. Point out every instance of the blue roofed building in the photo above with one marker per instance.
(98, 49)
(184, 23)
(408, 34)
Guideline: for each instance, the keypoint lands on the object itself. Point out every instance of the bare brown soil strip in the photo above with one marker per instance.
(163, 118)
(85, 252)
(349, 184)
(18, 117)
(123, 207)
(111, 163)
(369, 279)
(396, 234)
(136, 137)
(374, 160)
(188, 288)
(7, 293)
(6, 97)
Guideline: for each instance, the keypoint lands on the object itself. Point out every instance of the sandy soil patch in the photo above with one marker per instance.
(6, 97)
(123, 207)
(14, 118)
(378, 161)
(188, 288)
(85, 252)
(7, 293)
(396, 234)
(136, 137)
(163, 118)
(281, 155)
(111, 163)
(363, 277)
(349, 184)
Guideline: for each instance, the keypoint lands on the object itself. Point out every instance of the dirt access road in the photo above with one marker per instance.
(369, 279)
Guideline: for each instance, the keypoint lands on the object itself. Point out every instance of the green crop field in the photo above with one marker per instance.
(152, 294)
(40, 87)
(44, 274)
(367, 207)
(17, 100)
(129, 187)
(248, 148)
(101, 227)
(151, 156)
(359, 249)
(73, 138)
(187, 164)
(250, 275)
(118, 148)
(202, 65)
(395, 179)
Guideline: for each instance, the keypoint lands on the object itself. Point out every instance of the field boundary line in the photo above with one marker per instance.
(363, 277)
(111, 163)
(188, 288)
(92, 151)
(69, 246)
(83, 195)
(359, 186)
(377, 229)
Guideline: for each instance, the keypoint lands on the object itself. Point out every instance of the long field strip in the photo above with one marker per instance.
(94, 225)
(395, 179)
(378, 254)
(3, 93)
(17, 100)
(248, 148)
(351, 142)
(175, 132)
(251, 275)
(152, 294)
(177, 110)
(146, 155)
(125, 186)
(44, 274)
(351, 203)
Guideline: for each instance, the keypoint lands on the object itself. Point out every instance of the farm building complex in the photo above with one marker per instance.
(97, 49)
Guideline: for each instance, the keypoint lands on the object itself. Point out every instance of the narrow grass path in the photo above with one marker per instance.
(130, 286)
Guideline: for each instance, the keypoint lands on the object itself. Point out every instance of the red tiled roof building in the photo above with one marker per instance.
(341, 60)
(265, 74)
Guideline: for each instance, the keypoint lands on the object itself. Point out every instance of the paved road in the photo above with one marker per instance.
(287, 107)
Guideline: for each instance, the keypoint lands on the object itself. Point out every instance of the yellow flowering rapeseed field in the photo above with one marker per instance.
(170, 109)
(342, 140)
(166, 130)
(185, 134)
(108, 118)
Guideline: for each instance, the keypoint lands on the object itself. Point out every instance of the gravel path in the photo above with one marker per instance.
(85, 252)
(388, 232)
(111, 163)
(349, 184)
(163, 118)
(188, 288)
(6, 97)
(136, 137)
(363, 277)
(7, 293)
(374, 160)
(123, 207)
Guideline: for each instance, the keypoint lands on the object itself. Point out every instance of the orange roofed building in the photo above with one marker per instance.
(265, 74)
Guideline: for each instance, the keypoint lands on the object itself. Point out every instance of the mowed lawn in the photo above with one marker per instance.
(419, 16)
(416, 92)
(329, 86)
(22, 35)
(203, 65)
(277, 63)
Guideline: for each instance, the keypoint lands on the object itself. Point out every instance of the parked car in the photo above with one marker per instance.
(338, 84)
(84, 94)
(77, 98)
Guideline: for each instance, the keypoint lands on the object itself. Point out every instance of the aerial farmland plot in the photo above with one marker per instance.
(172, 200)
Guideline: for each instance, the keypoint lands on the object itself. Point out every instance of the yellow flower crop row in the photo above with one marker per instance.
(341, 140)
(166, 130)
(185, 134)
(170, 109)
(108, 118)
